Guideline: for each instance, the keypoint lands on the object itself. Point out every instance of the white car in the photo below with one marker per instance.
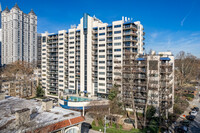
(194, 113)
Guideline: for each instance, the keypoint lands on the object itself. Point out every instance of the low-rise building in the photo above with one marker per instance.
(31, 116)
(20, 86)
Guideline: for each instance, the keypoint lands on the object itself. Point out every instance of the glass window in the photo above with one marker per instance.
(117, 32)
(117, 50)
(101, 34)
(117, 26)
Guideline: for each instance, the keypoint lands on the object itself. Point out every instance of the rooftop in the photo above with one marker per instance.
(56, 118)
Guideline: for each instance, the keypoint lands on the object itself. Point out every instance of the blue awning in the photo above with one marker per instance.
(110, 25)
(78, 30)
(165, 58)
(95, 28)
(128, 22)
(140, 59)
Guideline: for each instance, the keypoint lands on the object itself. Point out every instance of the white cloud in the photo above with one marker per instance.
(175, 42)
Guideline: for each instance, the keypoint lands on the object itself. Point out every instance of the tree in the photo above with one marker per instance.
(187, 68)
(20, 71)
(39, 91)
(115, 104)
(151, 110)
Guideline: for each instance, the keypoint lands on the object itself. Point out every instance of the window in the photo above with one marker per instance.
(101, 50)
(101, 67)
(101, 62)
(71, 71)
(43, 45)
(71, 76)
(60, 52)
(60, 71)
(101, 28)
(71, 67)
(71, 52)
(117, 44)
(71, 86)
(60, 43)
(61, 57)
(71, 62)
(117, 26)
(101, 84)
(71, 81)
(61, 39)
(71, 47)
(101, 56)
(71, 38)
(61, 34)
(117, 55)
(117, 38)
(101, 45)
(101, 89)
(44, 39)
(71, 42)
(117, 50)
(102, 39)
(101, 78)
(101, 34)
(71, 32)
(71, 57)
(61, 48)
(60, 66)
(117, 32)
(101, 73)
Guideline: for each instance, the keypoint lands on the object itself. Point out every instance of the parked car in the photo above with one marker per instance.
(190, 117)
(185, 123)
(182, 129)
(194, 112)
(196, 109)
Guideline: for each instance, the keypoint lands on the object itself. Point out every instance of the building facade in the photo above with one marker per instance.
(19, 36)
(149, 80)
(88, 58)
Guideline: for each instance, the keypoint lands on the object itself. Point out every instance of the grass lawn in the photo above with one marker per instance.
(117, 130)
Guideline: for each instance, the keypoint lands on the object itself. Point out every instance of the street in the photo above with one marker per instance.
(194, 125)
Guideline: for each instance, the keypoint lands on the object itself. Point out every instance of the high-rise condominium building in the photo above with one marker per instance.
(88, 58)
(19, 36)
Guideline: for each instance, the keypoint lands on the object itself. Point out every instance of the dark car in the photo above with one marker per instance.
(196, 109)
(182, 129)
(190, 117)
(185, 123)
(85, 127)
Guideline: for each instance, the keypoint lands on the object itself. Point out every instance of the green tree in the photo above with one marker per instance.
(151, 110)
(39, 91)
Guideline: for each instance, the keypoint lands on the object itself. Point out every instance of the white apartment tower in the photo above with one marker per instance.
(19, 36)
(88, 58)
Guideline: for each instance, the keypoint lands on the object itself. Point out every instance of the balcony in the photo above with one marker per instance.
(130, 40)
(133, 27)
(130, 34)
(109, 41)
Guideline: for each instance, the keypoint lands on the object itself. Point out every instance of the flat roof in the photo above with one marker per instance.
(39, 119)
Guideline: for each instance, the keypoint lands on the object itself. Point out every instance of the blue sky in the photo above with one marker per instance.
(170, 25)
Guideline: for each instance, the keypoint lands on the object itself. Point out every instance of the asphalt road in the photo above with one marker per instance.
(195, 125)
